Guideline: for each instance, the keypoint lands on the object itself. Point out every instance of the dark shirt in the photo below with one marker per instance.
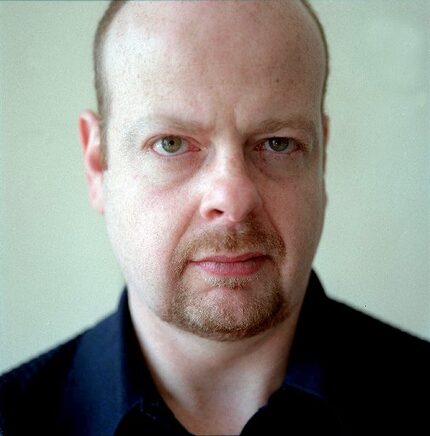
(348, 374)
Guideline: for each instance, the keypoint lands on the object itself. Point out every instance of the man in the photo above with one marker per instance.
(207, 160)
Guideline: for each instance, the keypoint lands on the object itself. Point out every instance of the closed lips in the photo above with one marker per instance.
(244, 264)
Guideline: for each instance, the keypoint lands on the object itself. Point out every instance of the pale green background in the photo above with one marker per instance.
(57, 272)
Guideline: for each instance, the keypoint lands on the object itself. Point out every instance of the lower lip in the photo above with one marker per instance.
(232, 269)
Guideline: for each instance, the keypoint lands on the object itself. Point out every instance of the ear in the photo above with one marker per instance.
(326, 134)
(89, 132)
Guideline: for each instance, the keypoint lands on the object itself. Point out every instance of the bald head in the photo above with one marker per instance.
(296, 21)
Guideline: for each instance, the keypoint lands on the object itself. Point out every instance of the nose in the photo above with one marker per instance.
(230, 194)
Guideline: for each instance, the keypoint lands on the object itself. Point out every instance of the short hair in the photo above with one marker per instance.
(102, 93)
(99, 73)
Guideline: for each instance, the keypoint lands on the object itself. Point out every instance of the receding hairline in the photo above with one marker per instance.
(116, 5)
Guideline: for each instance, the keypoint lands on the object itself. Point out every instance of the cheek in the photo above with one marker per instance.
(144, 221)
(297, 212)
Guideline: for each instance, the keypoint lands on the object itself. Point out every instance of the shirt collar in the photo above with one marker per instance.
(109, 376)
(305, 371)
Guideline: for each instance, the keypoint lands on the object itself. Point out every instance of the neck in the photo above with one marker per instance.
(200, 379)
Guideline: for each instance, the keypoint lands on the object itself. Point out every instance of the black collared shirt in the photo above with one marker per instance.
(338, 380)
(112, 392)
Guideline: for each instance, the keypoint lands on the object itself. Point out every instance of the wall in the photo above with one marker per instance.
(57, 272)
(375, 252)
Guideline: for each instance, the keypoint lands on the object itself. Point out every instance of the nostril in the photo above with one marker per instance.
(214, 213)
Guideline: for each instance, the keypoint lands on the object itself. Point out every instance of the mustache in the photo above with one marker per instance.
(249, 236)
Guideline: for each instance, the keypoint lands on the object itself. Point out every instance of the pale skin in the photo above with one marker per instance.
(253, 64)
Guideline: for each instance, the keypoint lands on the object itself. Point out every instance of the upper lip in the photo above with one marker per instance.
(228, 258)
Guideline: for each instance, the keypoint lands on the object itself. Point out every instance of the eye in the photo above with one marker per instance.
(170, 145)
(279, 144)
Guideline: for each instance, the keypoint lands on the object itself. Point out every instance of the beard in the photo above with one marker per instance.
(246, 306)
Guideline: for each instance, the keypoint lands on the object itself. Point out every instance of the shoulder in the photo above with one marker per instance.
(24, 389)
(33, 392)
(376, 373)
(360, 332)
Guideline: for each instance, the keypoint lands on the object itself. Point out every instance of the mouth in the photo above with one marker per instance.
(232, 266)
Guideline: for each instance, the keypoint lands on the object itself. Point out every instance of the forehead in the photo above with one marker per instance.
(155, 49)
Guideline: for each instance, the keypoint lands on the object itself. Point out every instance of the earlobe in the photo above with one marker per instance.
(89, 133)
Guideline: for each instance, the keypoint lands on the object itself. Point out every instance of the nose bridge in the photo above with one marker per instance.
(230, 163)
(230, 192)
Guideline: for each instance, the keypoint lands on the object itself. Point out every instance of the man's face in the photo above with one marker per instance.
(214, 192)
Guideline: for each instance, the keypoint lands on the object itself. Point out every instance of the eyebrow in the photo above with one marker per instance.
(191, 126)
(298, 123)
(149, 122)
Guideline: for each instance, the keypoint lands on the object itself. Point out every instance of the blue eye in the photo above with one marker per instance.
(280, 144)
(170, 145)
